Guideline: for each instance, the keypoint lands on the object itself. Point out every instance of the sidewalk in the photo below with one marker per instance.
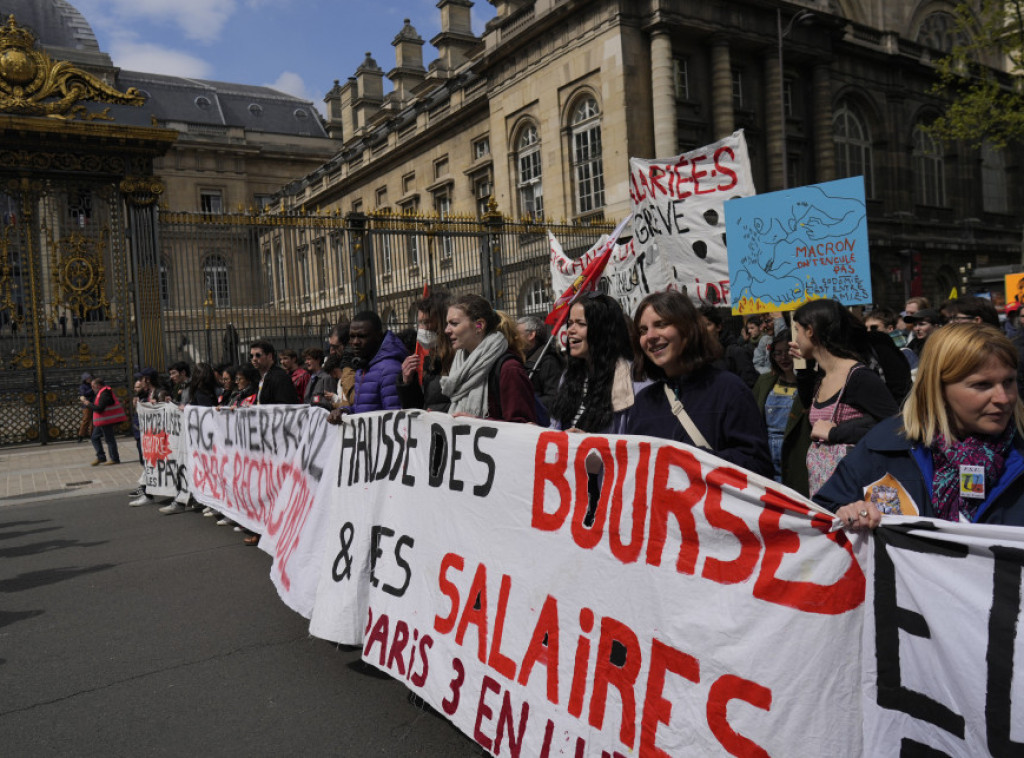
(61, 470)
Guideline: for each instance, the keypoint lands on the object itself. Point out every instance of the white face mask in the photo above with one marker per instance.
(426, 338)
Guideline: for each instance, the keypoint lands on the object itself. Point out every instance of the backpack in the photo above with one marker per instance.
(494, 386)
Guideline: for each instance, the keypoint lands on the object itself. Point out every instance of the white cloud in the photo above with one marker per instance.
(291, 84)
(201, 20)
(154, 59)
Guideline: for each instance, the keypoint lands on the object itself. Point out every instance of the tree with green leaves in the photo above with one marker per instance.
(982, 78)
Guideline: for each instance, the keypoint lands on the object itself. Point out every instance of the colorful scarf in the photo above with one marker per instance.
(989, 452)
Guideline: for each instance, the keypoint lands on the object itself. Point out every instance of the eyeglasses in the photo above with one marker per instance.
(255, 355)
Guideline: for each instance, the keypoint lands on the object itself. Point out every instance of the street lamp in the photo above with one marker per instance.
(799, 17)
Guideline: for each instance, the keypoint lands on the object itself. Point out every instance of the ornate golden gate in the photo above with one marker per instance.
(76, 227)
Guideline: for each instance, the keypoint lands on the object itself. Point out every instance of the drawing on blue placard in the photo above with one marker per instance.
(782, 233)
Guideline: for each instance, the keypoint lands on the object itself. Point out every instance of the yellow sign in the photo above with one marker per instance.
(1015, 290)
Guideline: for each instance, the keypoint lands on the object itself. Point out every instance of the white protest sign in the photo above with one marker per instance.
(261, 467)
(672, 618)
(627, 278)
(679, 221)
(164, 462)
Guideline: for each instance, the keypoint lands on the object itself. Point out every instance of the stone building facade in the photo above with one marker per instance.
(544, 108)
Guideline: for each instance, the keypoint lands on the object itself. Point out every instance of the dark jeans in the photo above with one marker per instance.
(106, 433)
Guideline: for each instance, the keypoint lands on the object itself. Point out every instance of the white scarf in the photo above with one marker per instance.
(466, 383)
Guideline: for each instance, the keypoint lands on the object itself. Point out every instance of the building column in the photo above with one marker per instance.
(141, 194)
(666, 140)
(722, 119)
(824, 144)
(775, 126)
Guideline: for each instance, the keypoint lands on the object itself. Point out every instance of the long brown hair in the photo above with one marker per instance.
(675, 308)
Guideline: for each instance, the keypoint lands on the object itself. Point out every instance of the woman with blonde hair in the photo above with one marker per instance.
(957, 450)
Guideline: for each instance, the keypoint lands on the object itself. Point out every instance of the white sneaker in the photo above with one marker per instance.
(208, 511)
(239, 529)
(224, 522)
(142, 500)
(172, 508)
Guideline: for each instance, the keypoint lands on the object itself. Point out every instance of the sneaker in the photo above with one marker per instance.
(172, 508)
(239, 529)
(208, 511)
(142, 500)
(140, 490)
(97, 462)
(224, 522)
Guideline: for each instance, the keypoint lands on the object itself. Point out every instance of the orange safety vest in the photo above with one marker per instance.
(112, 414)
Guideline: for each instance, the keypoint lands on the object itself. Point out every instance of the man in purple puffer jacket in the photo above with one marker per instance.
(381, 354)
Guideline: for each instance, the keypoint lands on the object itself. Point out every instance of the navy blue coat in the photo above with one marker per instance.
(885, 450)
(722, 407)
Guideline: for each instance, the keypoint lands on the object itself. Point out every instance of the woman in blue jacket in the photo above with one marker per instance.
(957, 450)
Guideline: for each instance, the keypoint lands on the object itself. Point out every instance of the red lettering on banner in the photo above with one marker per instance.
(726, 688)
(449, 590)
(506, 722)
(628, 553)
(475, 612)
(724, 169)
(581, 664)
(585, 537)
(379, 636)
(553, 472)
(665, 501)
(658, 710)
(845, 595)
(623, 677)
(156, 446)
(497, 661)
(543, 648)
(742, 567)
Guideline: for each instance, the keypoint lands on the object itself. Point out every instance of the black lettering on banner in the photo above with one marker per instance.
(890, 619)
(375, 550)
(438, 455)
(403, 564)
(456, 485)
(1002, 637)
(384, 467)
(348, 444)
(913, 749)
(407, 479)
(400, 444)
(481, 490)
(347, 534)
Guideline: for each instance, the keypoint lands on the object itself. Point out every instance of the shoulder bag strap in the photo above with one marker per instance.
(684, 418)
(839, 399)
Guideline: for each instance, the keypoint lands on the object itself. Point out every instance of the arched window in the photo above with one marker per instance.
(536, 298)
(853, 146)
(994, 190)
(929, 169)
(940, 31)
(528, 177)
(215, 271)
(587, 166)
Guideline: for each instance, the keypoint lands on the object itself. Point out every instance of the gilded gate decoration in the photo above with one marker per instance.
(67, 194)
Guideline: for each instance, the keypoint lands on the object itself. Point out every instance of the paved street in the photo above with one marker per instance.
(128, 633)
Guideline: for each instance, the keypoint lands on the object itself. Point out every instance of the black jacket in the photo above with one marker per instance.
(547, 375)
(276, 389)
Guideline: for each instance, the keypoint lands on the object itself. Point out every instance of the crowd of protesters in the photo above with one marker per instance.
(826, 401)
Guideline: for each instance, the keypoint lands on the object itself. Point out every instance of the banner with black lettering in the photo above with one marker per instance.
(682, 607)
(261, 466)
(941, 639)
(679, 217)
(164, 461)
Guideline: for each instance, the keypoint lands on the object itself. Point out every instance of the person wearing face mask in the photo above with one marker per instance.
(419, 385)
(956, 451)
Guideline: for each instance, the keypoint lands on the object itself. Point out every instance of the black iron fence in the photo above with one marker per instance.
(227, 279)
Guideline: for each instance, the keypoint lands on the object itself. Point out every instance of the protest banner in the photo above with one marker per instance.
(163, 460)
(261, 466)
(671, 617)
(678, 217)
(1014, 287)
(941, 639)
(800, 244)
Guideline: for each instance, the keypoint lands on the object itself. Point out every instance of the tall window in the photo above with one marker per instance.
(279, 271)
(531, 191)
(929, 169)
(384, 248)
(215, 271)
(211, 201)
(302, 264)
(737, 89)
(536, 297)
(853, 146)
(681, 77)
(443, 208)
(482, 190)
(994, 190)
(588, 169)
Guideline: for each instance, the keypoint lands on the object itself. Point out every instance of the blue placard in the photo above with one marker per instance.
(800, 244)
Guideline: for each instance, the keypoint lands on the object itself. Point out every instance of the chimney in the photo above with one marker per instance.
(408, 71)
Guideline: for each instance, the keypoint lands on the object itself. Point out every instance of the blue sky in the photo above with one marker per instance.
(298, 46)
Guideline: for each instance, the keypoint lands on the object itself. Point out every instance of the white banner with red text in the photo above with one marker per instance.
(164, 462)
(679, 217)
(687, 607)
(262, 466)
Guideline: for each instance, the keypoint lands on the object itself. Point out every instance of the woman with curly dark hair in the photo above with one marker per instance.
(202, 386)
(691, 401)
(844, 398)
(596, 388)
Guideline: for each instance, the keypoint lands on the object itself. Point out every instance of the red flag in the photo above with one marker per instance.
(585, 282)
(420, 351)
